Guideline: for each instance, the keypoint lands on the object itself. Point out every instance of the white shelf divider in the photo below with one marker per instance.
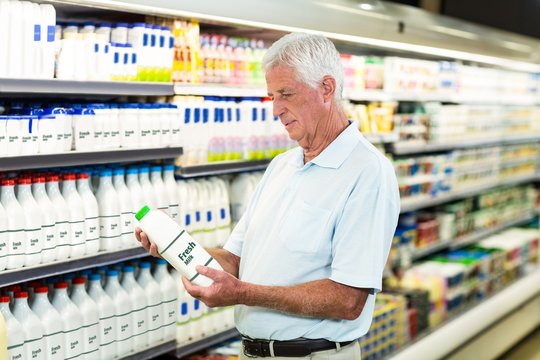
(219, 90)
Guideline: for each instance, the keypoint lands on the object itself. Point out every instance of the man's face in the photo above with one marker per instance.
(298, 106)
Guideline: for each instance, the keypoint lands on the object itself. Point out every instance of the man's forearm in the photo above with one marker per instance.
(228, 261)
(320, 299)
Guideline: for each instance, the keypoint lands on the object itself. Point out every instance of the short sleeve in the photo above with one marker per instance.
(236, 240)
(364, 231)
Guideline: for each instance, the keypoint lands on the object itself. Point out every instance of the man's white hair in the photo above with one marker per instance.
(312, 57)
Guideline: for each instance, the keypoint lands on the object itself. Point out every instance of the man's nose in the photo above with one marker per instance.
(278, 107)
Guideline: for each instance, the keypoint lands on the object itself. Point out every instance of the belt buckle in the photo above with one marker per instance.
(255, 349)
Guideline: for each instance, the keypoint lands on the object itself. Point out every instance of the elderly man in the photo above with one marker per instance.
(306, 259)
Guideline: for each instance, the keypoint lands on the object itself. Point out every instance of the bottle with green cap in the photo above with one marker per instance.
(175, 245)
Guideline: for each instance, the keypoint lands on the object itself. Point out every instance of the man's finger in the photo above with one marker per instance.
(193, 290)
(207, 271)
(154, 250)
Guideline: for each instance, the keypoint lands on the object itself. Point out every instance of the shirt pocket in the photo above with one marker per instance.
(305, 228)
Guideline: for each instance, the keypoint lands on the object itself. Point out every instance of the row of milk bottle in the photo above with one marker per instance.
(92, 316)
(89, 127)
(27, 40)
(205, 210)
(125, 52)
(196, 320)
(45, 220)
(223, 129)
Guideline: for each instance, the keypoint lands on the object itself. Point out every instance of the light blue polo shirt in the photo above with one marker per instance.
(333, 217)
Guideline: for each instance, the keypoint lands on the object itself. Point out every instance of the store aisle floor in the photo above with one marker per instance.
(527, 349)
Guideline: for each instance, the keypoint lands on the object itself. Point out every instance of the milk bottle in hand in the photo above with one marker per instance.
(175, 245)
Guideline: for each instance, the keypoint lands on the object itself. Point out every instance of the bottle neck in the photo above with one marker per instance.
(105, 181)
(128, 277)
(155, 176)
(68, 186)
(24, 190)
(61, 294)
(112, 281)
(83, 184)
(21, 303)
(53, 188)
(38, 188)
(40, 298)
(118, 180)
(143, 177)
(94, 285)
(8, 192)
(144, 272)
(168, 175)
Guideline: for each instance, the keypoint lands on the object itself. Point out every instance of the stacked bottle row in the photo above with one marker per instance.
(215, 58)
(32, 129)
(100, 314)
(27, 44)
(56, 216)
(126, 52)
(222, 129)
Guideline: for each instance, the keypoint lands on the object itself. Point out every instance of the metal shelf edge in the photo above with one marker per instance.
(74, 158)
(206, 342)
(10, 277)
(221, 168)
(219, 90)
(86, 87)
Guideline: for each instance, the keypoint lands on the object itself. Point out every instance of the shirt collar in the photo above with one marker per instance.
(335, 154)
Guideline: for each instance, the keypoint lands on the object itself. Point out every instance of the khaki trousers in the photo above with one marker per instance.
(349, 352)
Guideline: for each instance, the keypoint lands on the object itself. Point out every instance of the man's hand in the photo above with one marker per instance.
(226, 289)
(143, 239)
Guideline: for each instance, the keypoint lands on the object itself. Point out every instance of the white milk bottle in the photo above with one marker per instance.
(154, 299)
(223, 224)
(17, 241)
(48, 21)
(126, 208)
(124, 318)
(107, 318)
(52, 324)
(135, 190)
(4, 248)
(176, 246)
(72, 320)
(91, 213)
(182, 330)
(186, 212)
(170, 298)
(34, 222)
(193, 206)
(3, 129)
(140, 309)
(15, 341)
(63, 217)
(77, 215)
(148, 191)
(159, 189)
(109, 212)
(33, 329)
(172, 193)
(90, 315)
(128, 116)
(48, 212)
(3, 338)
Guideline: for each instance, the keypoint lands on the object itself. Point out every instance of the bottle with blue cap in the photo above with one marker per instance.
(148, 191)
(175, 245)
(154, 300)
(140, 308)
(83, 129)
(126, 209)
(170, 298)
(107, 318)
(159, 189)
(123, 308)
(172, 192)
(135, 190)
(128, 119)
(109, 213)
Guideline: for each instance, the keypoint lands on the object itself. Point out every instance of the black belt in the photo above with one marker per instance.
(289, 348)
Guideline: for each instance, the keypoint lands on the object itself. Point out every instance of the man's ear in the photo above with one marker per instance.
(329, 88)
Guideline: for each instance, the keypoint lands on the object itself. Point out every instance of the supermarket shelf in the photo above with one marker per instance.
(442, 340)
(153, 352)
(424, 202)
(382, 138)
(220, 168)
(206, 343)
(381, 95)
(74, 158)
(73, 87)
(471, 238)
(219, 90)
(404, 149)
(10, 277)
